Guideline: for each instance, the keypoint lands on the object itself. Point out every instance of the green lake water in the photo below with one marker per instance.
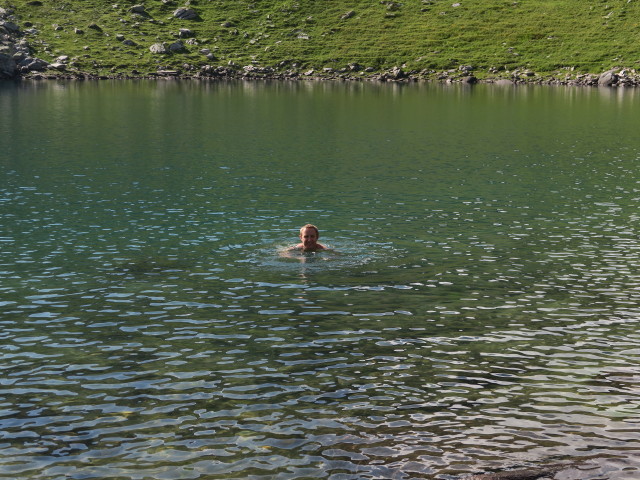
(479, 309)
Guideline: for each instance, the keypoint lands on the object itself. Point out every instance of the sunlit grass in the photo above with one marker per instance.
(546, 37)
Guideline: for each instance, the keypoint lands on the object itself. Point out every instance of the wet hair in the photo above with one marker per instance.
(309, 225)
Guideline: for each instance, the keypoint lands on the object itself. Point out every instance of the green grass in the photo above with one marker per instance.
(549, 37)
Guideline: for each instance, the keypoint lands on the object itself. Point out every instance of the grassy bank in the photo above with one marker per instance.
(495, 37)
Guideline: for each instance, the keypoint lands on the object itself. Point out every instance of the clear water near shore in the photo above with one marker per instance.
(480, 310)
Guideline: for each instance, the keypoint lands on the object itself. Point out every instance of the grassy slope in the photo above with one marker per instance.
(546, 36)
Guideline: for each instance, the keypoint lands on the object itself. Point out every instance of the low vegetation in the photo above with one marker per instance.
(540, 38)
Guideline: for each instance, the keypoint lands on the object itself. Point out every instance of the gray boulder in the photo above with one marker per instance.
(177, 47)
(9, 27)
(8, 67)
(397, 73)
(184, 13)
(58, 66)
(158, 48)
(33, 64)
(607, 79)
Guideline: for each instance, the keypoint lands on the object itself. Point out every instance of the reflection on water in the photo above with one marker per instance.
(478, 310)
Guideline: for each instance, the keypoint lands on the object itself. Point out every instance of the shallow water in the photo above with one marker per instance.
(479, 310)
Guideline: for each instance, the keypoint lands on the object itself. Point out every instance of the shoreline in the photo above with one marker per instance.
(616, 78)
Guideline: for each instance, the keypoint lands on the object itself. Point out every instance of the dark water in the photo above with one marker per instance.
(480, 310)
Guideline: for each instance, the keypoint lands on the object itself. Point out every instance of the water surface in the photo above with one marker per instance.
(479, 310)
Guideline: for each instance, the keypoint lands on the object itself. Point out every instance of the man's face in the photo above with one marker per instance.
(309, 238)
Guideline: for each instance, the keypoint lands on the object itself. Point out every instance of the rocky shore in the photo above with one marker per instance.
(17, 62)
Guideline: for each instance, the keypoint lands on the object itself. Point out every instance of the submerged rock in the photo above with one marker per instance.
(533, 473)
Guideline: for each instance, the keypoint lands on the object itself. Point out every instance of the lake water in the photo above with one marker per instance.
(480, 309)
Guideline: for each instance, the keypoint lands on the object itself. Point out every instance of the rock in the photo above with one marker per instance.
(185, 33)
(607, 79)
(119, 37)
(56, 27)
(523, 474)
(33, 64)
(397, 73)
(347, 15)
(138, 9)
(78, 31)
(185, 14)
(503, 81)
(158, 48)
(177, 47)
(469, 80)
(61, 67)
(8, 67)
(94, 26)
(129, 43)
(10, 27)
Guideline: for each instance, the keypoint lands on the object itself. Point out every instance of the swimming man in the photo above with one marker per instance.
(309, 235)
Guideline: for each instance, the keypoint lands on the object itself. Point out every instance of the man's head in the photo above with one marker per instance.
(309, 235)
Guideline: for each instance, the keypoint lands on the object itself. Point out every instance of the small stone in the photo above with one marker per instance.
(158, 48)
(58, 66)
